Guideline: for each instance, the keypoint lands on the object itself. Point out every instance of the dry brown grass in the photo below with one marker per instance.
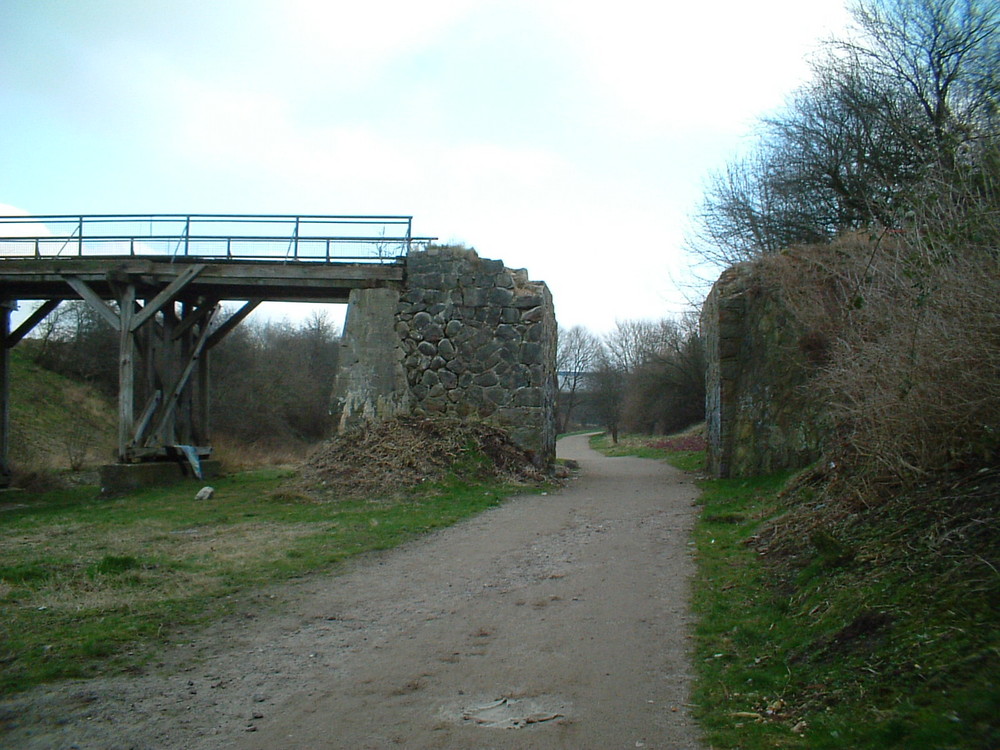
(906, 339)
(236, 455)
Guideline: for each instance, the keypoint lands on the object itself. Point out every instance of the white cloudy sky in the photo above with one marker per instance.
(570, 138)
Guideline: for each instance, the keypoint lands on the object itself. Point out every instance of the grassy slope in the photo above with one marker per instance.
(826, 623)
(53, 419)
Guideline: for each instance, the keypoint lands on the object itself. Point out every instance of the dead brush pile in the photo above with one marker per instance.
(393, 456)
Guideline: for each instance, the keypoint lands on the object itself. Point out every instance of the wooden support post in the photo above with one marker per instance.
(126, 372)
(182, 414)
(163, 423)
(203, 423)
(163, 430)
(5, 471)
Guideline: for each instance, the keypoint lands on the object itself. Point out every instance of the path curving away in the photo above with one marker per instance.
(555, 621)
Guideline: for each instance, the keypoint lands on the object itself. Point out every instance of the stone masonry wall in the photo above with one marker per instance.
(465, 337)
(760, 412)
(479, 340)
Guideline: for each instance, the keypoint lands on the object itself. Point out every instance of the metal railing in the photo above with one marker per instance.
(307, 238)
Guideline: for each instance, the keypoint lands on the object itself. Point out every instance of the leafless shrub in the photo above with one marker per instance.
(907, 338)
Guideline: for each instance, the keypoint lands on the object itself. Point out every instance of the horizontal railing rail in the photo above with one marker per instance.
(307, 238)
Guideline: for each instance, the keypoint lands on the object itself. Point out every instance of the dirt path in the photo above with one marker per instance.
(553, 621)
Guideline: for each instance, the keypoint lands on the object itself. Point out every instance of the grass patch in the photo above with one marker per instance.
(92, 585)
(681, 452)
(56, 423)
(828, 626)
(828, 623)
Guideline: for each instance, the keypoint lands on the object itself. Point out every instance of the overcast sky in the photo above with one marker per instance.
(569, 138)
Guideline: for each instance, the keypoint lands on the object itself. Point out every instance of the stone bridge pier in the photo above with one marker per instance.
(464, 337)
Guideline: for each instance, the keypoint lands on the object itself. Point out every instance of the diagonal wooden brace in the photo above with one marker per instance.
(94, 300)
(171, 401)
(168, 294)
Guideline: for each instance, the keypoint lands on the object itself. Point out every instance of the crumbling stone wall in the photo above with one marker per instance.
(480, 340)
(371, 382)
(761, 414)
(470, 338)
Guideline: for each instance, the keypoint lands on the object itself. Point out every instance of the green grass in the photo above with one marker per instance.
(646, 446)
(825, 623)
(92, 585)
(842, 640)
(56, 421)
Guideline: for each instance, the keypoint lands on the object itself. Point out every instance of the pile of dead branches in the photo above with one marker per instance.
(393, 456)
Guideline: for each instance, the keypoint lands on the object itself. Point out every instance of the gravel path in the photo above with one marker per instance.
(556, 621)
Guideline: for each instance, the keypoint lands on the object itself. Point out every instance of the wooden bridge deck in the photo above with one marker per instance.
(163, 298)
(278, 281)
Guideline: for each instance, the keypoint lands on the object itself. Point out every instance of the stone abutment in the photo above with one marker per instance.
(466, 337)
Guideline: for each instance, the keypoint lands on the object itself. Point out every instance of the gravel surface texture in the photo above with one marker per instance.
(552, 621)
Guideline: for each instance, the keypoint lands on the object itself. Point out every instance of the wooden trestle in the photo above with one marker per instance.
(167, 316)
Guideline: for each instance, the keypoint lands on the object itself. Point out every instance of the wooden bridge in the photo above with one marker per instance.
(159, 281)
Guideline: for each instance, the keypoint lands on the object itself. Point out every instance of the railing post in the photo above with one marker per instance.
(79, 238)
(187, 234)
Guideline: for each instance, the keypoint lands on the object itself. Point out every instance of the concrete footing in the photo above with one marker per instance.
(120, 479)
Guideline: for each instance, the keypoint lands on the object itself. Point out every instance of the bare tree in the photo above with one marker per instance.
(575, 357)
(667, 391)
(608, 382)
(912, 92)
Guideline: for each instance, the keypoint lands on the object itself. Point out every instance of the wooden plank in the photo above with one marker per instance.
(95, 301)
(31, 321)
(168, 294)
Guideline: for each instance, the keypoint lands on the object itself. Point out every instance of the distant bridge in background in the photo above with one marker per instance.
(166, 276)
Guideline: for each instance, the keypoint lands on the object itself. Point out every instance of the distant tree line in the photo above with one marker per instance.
(644, 376)
(271, 381)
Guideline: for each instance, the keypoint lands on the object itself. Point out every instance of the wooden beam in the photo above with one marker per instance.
(31, 321)
(95, 301)
(5, 472)
(170, 403)
(168, 294)
(234, 320)
(203, 426)
(147, 415)
(126, 372)
(193, 318)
